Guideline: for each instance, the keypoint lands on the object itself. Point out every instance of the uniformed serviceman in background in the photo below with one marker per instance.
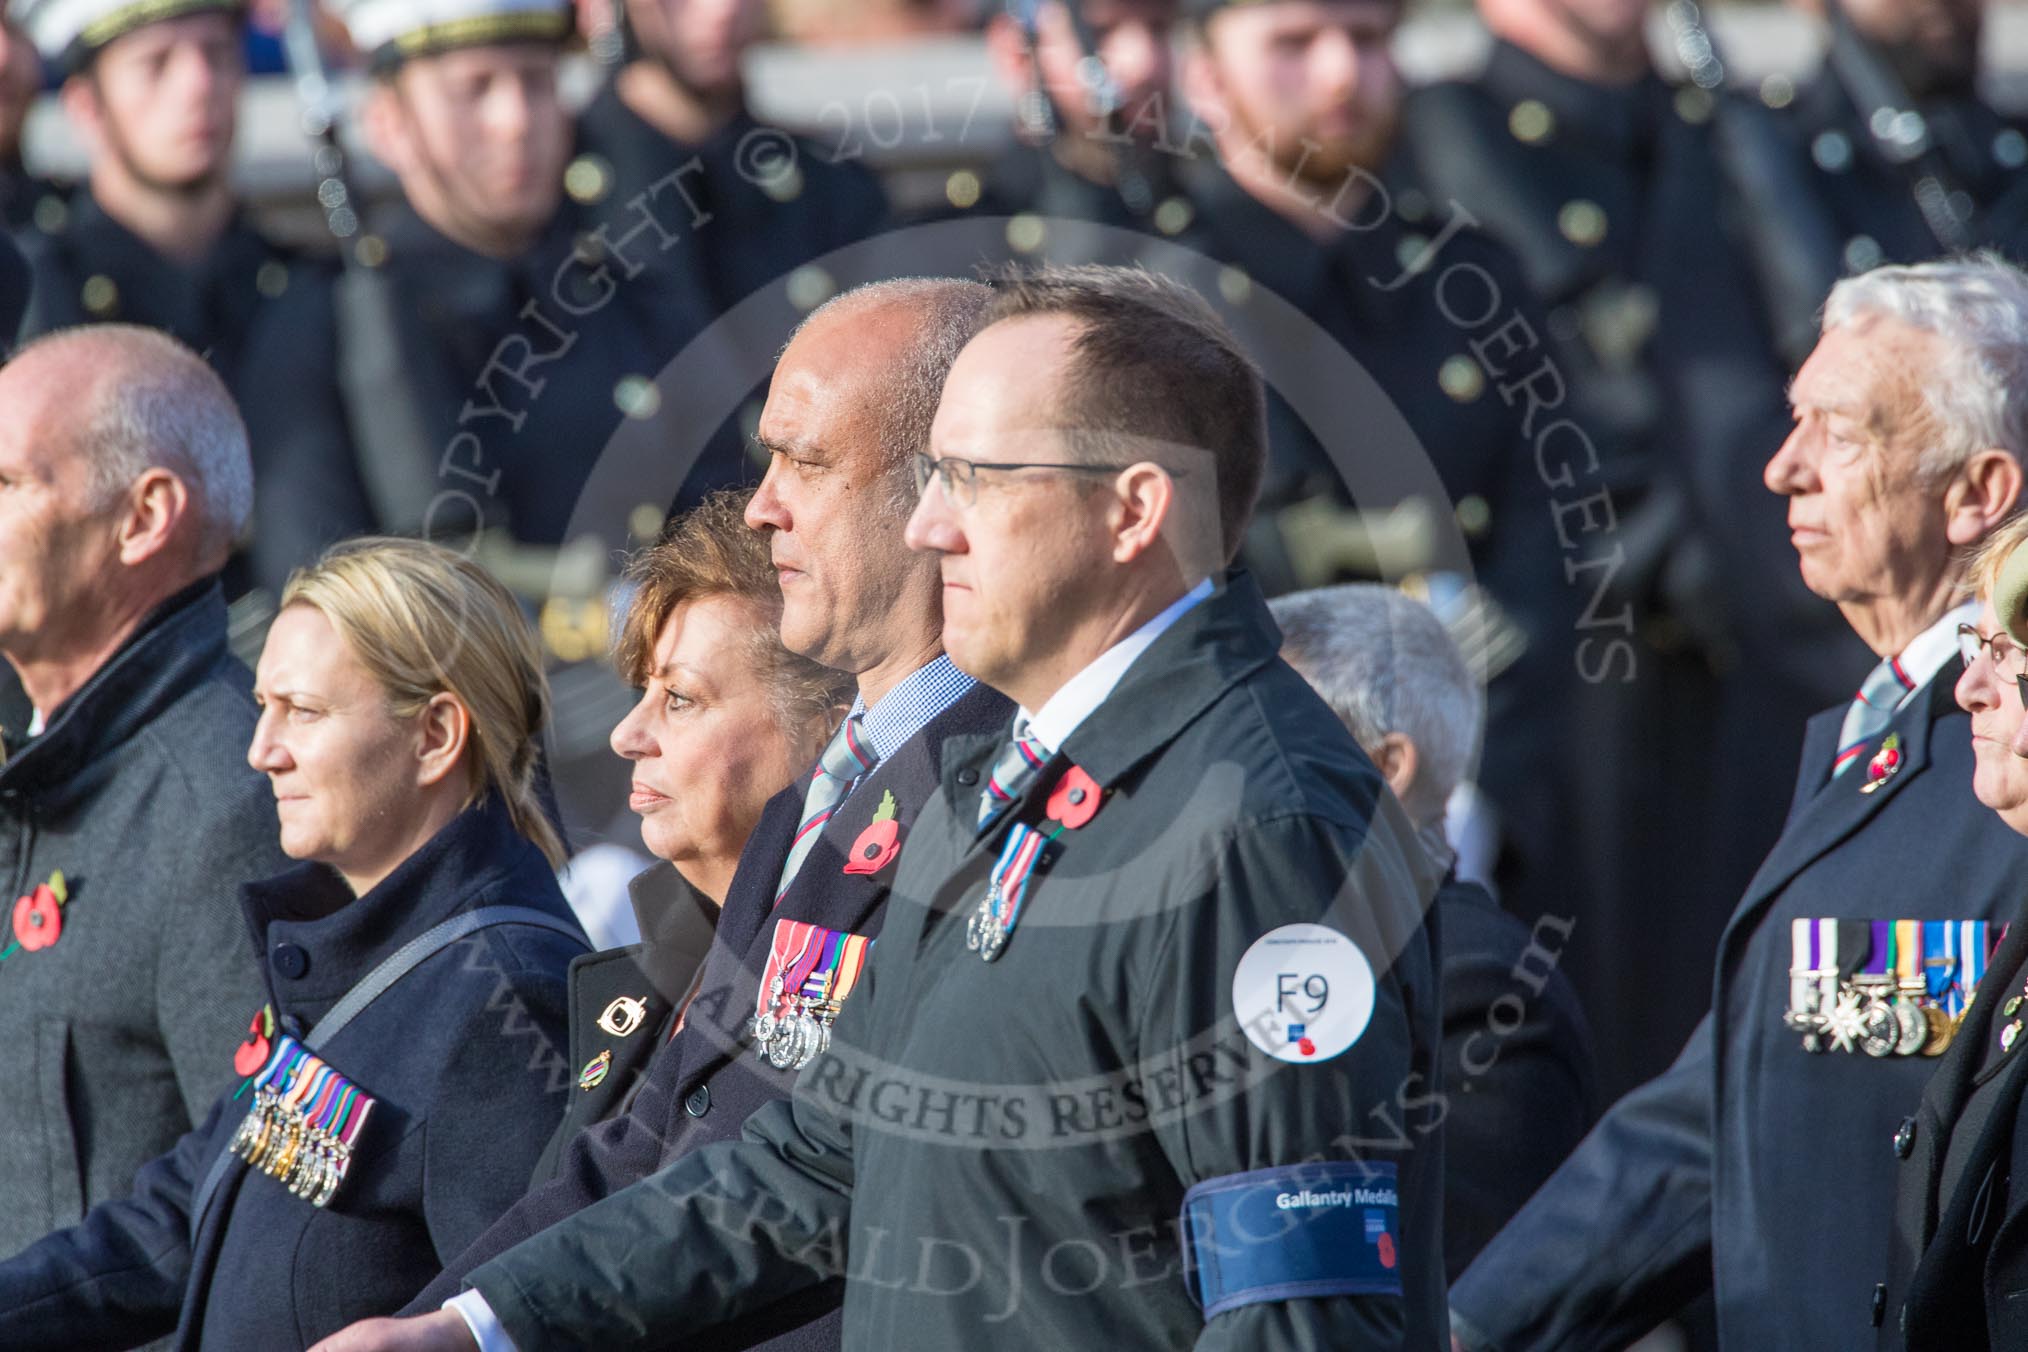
(764, 202)
(1604, 180)
(20, 78)
(517, 345)
(1911, 161)
(14, 283)
(493, 337)
(1760, 1165)
(1093, 80)
(156, 237)
(1311, 198)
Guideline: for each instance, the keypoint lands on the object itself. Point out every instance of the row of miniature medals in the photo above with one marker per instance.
(811, 970)
(1886, 987)
(304, 1122)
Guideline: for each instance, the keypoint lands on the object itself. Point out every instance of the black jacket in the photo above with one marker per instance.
(702, 1086)
(14, 281)
(465, 1058)
(976, 1124)
(116, 1039)
(1752, 1163)
(676, 924)
(1518, 1074)
(1958, 1264)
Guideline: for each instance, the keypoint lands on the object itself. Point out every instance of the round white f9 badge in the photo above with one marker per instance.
(1303, 993)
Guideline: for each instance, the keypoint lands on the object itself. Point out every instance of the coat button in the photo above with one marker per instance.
(699, 1102)
(1879, 1303)
(1904, 1138)
(291, 962)
(968, 777)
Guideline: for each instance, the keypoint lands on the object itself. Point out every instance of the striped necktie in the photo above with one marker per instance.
(1012, 774)
(1872, 709)
(848, 757)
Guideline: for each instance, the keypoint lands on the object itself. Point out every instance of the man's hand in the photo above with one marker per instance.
(443, 1331)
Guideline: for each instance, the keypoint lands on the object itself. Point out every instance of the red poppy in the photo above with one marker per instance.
(1307, 1047)
(1386, 1250)
(38, 919)
(253, 1053)
(878, 843)
(1075, 799)
(876, 847)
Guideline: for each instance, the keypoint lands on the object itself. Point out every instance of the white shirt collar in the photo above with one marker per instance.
(1084, 692)
(1926, 653)
(35, 723)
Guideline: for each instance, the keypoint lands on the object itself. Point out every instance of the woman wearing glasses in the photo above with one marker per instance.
(1958, 1262)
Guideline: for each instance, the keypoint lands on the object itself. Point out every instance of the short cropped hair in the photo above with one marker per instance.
(167, 409)
(1385, 663)
(950, 312)
(1152, 362)
(1978, 307)
(711, 551)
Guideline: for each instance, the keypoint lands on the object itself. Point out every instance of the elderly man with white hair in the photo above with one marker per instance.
(1518, 1080)
(1762, 1163)
(128, 813)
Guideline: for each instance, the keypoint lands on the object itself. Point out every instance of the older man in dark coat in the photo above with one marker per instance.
(1759, 1163)
(124, 788)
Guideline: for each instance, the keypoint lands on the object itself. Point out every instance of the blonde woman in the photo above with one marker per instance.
(408, 1067)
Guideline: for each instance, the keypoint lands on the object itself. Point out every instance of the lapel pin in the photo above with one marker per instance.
(879, 842)
(1884, 764)
(594, 1072)
(623, 1016)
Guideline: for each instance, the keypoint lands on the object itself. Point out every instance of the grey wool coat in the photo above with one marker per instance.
(117, 1038)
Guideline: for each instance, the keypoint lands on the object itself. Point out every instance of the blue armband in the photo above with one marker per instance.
(1299, 1231)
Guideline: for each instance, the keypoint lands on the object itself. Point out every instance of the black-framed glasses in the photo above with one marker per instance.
(961, 477)
(2008, 658)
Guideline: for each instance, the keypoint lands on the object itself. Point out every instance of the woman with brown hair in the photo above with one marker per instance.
(408, 1065)
(727, 717)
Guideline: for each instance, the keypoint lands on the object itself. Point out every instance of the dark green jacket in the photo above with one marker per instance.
(996, 1155)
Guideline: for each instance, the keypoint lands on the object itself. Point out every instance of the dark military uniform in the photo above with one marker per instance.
(755, 203)
(261, 315)
(14, 283)
(978, 1123)
(1753, 1166)
(463, 1058)
(1614, 202)
(1031, 178)
(1870, 198)
(1407, 295)
(765, 202)
(24, 198)
(516, 370)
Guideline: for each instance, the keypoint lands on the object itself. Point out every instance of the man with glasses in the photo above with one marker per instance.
(1155, 951)
(1762, 1163)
